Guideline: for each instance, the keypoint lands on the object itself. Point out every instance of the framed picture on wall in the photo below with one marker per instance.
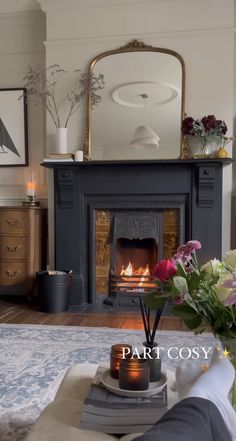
(13, 127)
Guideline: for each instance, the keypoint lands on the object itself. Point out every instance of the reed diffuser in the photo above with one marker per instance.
(150, 332)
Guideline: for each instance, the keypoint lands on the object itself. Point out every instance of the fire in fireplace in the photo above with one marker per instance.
(136, 244)
(138, 252)
(131, 280)
(129, 243)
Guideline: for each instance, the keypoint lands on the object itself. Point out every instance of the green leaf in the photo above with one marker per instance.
(174, 290)
(185, 312)
(191, 319)
(194, 323)
(180, 284)
(155, 299)
(181, 270)
(200, 329)
(194, 282)
(188, 299)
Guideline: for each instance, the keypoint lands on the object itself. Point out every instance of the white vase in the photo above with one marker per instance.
(62, 140)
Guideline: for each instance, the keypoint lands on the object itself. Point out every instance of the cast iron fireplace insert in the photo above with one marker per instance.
(136, 243)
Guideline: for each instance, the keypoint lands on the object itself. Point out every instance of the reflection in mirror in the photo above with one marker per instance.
(141, 110)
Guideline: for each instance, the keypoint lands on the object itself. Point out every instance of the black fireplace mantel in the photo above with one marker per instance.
(194, 186)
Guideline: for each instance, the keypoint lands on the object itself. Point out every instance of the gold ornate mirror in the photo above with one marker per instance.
(142, 105)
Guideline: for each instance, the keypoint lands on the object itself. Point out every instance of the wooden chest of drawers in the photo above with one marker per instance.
(22, 247)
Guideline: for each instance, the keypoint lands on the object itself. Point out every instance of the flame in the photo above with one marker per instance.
(130, 271)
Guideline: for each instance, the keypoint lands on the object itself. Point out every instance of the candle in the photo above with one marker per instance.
(118, 351)
(31, 186)
(134, 374)
(79, 155)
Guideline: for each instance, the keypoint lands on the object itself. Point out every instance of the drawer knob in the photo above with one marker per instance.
(13, 273)
(13, 221)
(13, 249)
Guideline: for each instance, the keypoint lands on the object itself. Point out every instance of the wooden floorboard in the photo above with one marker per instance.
(23, 313)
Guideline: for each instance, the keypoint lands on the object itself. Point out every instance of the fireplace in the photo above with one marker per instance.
(106, 233)
(130, 240)
(136, 245)
(127, 244)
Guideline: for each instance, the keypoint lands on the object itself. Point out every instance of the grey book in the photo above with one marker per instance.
(101, 399)
(106, 412)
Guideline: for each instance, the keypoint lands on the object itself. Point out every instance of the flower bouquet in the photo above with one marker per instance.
(203, 295)
(203, 131)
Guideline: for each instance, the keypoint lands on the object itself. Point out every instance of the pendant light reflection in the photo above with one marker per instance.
(144, 137)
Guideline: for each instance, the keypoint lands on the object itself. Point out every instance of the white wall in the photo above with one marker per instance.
(202, 32)
(77, 30)
(21, 43)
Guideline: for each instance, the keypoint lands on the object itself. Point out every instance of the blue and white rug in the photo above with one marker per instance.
(34, 359)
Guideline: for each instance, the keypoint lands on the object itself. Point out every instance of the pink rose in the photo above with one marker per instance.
(164, 270)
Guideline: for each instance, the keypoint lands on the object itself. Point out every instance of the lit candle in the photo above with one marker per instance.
(31, 186)
(134, 374)
(118, 352)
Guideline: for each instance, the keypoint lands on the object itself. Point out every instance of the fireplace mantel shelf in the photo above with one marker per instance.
(223, 161)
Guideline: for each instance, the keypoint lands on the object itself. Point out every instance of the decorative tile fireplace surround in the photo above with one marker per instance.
(111, 216)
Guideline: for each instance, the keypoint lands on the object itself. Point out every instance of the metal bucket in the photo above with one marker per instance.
(53, 288)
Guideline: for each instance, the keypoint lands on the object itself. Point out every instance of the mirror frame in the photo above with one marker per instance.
(133, 46)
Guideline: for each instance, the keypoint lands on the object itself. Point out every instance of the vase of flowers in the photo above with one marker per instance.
(205, 136)
(43, 88)
(202, 295)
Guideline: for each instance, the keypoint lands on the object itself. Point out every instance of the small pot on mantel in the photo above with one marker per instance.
(62, 140)
(222, 153)
(154, 362)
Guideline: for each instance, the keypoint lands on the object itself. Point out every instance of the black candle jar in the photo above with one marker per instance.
(118, 351)
(134, 374)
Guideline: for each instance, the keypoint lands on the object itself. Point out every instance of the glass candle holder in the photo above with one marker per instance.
(30, 188)
(118, 351)
(134, 374)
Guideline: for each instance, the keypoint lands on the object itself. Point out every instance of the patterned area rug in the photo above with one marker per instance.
(35, 358)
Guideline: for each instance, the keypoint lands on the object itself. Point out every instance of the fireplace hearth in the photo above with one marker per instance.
(108, 235)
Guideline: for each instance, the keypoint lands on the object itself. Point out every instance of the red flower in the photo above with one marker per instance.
(164, 270)
(187, 126)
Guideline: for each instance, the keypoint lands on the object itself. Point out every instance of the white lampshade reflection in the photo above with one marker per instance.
(145, 138)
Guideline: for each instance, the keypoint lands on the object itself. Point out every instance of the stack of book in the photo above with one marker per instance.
(106, 412)
(56, 157)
